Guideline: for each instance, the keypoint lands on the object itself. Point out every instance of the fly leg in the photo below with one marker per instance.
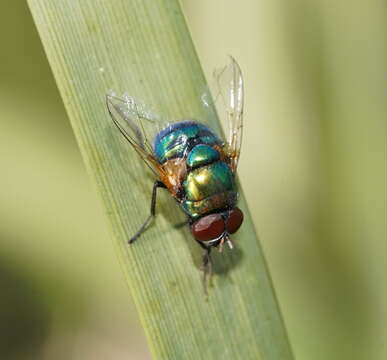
(207, 269)
(182, 224)
(144, 226)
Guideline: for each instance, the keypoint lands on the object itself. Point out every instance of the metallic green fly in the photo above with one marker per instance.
(192, 162)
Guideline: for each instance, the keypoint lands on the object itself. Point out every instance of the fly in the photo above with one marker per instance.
(192, 162)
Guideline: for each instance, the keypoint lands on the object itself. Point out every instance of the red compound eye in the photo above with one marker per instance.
(208, 227)
(234, 220)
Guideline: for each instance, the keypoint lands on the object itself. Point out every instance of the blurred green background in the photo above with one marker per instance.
(313, 170)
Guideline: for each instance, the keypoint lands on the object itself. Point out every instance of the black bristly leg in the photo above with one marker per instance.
(207, 268)
(182, 224)
(157, 184)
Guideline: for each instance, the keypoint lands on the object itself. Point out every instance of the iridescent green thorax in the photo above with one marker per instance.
(220, 201)
(209, 183)
(207, 180)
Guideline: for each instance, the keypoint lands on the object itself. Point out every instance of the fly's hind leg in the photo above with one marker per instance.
(144, 226)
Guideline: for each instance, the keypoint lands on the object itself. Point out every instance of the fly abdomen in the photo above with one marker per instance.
(207, 183)
(177, 139)
(202, 155)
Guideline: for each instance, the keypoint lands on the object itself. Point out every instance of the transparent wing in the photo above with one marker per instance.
(229, 84)
(136, 123)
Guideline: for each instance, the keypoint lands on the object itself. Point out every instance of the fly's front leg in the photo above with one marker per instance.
(157, 184)
(206, 267)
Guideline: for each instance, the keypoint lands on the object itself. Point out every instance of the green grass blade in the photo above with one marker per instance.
(144, 48)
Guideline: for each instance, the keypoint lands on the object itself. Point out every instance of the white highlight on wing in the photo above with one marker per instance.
(229, 83)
